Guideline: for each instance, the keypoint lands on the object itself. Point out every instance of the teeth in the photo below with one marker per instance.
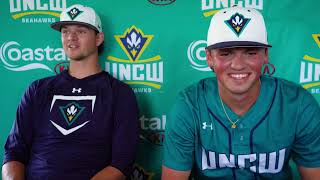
(239, 76)
(71, 46)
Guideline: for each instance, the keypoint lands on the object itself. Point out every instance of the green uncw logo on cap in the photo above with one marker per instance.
(237, 23)
(74, 12)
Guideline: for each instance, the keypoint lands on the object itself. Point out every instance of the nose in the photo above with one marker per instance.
(237, 62)
(72, 36)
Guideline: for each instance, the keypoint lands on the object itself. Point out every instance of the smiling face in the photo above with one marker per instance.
(238, 69)
(80, 42)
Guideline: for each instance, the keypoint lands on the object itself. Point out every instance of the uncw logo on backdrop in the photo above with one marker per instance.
(36, 11)
(147, 73)
(210, 7)
(139, 173)
(310, 70)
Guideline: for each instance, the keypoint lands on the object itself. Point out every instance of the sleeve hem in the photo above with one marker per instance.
(125, 170)
(177, 167)
(308, 164)
(11, 159)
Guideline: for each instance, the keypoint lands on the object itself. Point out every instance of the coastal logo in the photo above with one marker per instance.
(152, 129)
(143, 74)
(36, 11)
(139, 173)
(210, 7)
(161, 2)
(17, 58)
(197, 55)
(310, 70)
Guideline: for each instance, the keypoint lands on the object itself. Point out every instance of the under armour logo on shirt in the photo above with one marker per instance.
(76, 90)
(205, 126)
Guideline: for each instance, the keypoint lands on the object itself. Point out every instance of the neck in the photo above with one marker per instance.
(83, 68)
(241, 103)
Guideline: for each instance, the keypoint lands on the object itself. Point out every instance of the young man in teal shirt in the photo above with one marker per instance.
(239, 124)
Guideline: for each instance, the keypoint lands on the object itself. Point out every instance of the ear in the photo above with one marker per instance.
(210, 59)
(266, 56)
(99, 38)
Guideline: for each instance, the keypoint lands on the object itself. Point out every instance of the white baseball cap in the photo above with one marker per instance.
(79, 14)
(237, 27)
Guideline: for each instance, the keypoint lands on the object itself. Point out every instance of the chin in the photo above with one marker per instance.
(239, 89)
(76, 58)
(239, 92)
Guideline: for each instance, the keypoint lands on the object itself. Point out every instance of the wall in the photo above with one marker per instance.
(172, 57)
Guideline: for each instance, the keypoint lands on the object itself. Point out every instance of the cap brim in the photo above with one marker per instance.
(232, 44)
(58, 25)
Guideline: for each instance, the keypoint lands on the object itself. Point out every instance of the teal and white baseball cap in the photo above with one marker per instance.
(79, 14)
(237, 27)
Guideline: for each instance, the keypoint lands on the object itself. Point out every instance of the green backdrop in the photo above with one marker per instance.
(172, 55)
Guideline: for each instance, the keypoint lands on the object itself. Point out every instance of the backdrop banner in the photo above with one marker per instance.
(166, 53)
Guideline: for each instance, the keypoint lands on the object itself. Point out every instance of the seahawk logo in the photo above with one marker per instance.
(74, 12)
(71, 112)
(134, 70)
(133, 42)
(309, 70)
(237, 23)
(139, 173)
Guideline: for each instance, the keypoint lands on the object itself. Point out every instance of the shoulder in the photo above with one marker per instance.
(287, 88)
(36, 90)
(290, 93)
(43, 84)
(116, 84)
(194, 97)
(200, 88)
(121, 91)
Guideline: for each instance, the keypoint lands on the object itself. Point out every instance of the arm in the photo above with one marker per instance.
(17, 146)
(168, 174)
(309, 173)
(124, 134)
(13, 170)
(179, 144)
(109, 173)
(307, 145)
